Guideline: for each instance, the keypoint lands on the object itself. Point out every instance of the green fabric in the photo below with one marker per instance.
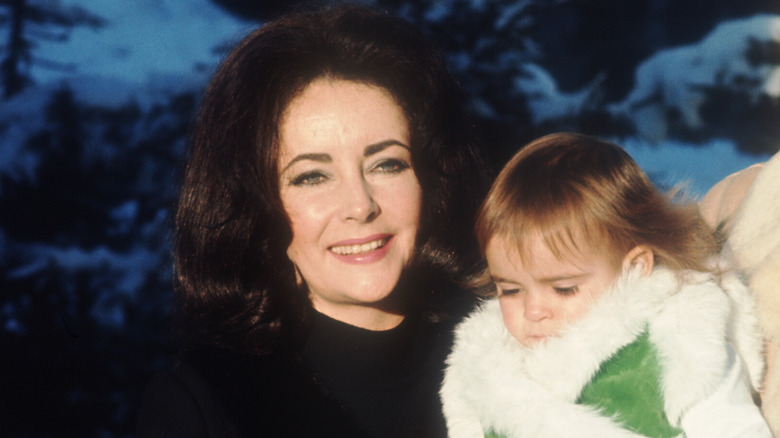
(627, 388)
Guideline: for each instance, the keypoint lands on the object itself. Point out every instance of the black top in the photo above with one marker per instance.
(345, 381)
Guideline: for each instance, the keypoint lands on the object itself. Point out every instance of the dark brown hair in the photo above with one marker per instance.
(236, 286)
(574, 189)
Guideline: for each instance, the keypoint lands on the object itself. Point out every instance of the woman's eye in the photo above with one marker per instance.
(391, 166)
(566, 291)
(309, 179)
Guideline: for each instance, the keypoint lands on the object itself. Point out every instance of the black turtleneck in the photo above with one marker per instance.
(344, 381)
(388, 380)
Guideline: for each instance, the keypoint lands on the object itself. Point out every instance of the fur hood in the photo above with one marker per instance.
(494, 382)
(754, 242)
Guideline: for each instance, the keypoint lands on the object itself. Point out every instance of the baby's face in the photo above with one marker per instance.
(541, 297)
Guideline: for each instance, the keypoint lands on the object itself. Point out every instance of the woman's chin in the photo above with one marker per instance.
(376, 314)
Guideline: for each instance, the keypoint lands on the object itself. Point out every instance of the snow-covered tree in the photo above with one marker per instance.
(29, 22)
(730, 78)
(84, 266)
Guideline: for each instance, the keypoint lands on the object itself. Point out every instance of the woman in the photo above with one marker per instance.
(321, 236)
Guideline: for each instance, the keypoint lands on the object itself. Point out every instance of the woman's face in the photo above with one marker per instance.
(352, 197)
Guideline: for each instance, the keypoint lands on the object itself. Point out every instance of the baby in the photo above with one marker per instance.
(607, 318)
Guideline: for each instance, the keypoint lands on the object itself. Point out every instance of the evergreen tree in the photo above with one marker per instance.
(85, 272)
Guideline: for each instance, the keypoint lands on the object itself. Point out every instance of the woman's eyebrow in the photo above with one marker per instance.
(320, 158)
(326, 158)
(382, 145)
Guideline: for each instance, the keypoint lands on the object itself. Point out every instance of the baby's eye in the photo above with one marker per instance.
(510, 291)
(391, 165)
(309, 179)
(566, 291)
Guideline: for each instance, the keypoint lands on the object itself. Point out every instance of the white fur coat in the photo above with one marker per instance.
(492, 382)
(755, 243)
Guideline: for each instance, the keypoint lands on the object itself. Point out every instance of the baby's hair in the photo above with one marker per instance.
(574, 189)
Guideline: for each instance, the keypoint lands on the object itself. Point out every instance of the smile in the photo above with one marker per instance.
(361, 248)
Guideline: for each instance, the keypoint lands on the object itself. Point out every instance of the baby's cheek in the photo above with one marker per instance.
(579, 307)
(512, 313)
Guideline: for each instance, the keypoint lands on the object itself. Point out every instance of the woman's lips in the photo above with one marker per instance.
(363, 250)
(357, 248)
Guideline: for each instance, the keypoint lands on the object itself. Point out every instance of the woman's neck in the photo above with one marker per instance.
(369, 317)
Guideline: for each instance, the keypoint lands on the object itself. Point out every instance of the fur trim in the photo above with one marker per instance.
(484, 388)
(492, 381)
(690, 334)
(744, 332)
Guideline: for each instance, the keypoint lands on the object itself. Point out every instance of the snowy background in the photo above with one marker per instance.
(98, 96)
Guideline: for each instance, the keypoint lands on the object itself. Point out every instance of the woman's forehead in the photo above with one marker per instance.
(336, 117)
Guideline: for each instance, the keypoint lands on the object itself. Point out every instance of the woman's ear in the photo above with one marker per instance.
(640, 256)
(298, 276)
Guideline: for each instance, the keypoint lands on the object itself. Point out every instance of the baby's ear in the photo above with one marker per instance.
(640, 256)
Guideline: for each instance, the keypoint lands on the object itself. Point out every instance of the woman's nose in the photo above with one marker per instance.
(535, 307)
(358, 201)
